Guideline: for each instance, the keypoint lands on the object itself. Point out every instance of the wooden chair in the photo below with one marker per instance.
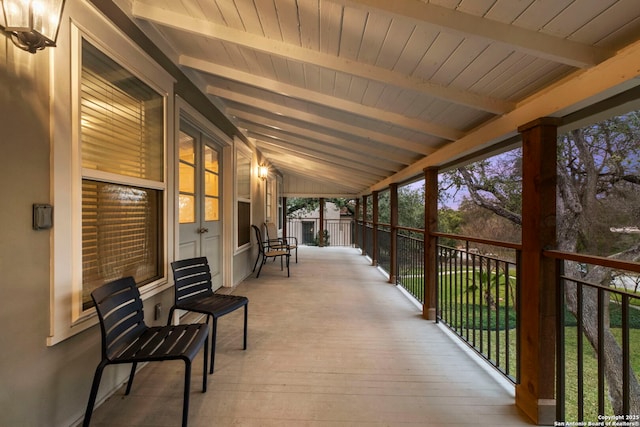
(194, 292)
(127, 339)
(265, 252)
(275, 242)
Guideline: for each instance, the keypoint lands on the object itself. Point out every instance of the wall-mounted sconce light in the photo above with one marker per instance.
(263, 172)
(32, 24)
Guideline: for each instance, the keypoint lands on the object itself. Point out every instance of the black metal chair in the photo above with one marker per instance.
(290, 242)
(265, 252)
(194, 292)
(127, 339)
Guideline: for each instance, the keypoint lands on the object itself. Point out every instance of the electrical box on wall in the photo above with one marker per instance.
(42, 216)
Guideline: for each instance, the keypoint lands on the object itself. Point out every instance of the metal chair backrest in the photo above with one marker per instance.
(272, 232)
(121, 315)
(192, 279)
(259, 239)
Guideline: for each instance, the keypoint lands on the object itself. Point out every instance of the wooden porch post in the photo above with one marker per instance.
(321, 225)
(393, 195)
(374, 255)
(364, 225)
(536, 305)
(430, 226)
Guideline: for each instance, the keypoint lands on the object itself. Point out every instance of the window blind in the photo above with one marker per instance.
(122, 120)
(119, 235)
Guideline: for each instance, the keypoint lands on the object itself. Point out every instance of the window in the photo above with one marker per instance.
(187, 181)
(243, 195)
(268, 199)
(122, 146)
(109, 159)
(211, 186)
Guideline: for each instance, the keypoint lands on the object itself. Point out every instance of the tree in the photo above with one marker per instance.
(449, 221)
(410, 206)
(598, 187)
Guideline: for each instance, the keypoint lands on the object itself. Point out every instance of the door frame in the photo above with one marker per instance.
(186, 112)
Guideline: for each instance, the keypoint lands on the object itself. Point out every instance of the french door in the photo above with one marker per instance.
(200, 202)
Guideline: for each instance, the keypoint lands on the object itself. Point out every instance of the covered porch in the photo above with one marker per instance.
(335, 344)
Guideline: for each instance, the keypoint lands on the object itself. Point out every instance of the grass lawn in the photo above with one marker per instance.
(591, 373)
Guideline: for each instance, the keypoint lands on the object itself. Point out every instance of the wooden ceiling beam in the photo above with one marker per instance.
(355, 163)
(331, 173)
(316, 120)
(328, 101)
(520, 39)
(329, 140)
(612, 76)
(303, 55)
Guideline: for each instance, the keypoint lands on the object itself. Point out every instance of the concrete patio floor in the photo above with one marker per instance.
(332, 345)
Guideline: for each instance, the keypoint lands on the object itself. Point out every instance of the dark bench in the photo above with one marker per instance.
(127, 339)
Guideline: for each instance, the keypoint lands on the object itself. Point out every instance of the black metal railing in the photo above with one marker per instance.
(359, 239)
(384, 247)
(597, 339)
(410, 262)
(477, 296)
(368, 240)
(476, 291)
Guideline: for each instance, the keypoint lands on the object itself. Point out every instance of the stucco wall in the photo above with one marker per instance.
(44, 385)
(39, 385)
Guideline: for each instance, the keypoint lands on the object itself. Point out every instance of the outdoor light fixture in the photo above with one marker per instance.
(32, 24)
(263, 172)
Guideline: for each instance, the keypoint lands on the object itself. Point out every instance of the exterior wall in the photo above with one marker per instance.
(40, 385)
(46, 385)
(244, 259)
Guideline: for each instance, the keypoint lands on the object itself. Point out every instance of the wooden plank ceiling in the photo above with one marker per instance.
(349, 95)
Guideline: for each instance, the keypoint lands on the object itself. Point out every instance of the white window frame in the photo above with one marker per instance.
(66, 315)
(240, 149)
(269, 199)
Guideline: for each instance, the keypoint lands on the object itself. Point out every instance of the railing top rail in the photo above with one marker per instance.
(610, 289)
(509, 245)
(595, 260)
(415, 230)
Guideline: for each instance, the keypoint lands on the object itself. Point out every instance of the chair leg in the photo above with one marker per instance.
(204, 368)
(256, 263)
(264, 259)
(214, 328)
(187, 389)
(170, 315)
(288, 265)
(246, 309)
(131, 375)
(92, 395)
(213, 341)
